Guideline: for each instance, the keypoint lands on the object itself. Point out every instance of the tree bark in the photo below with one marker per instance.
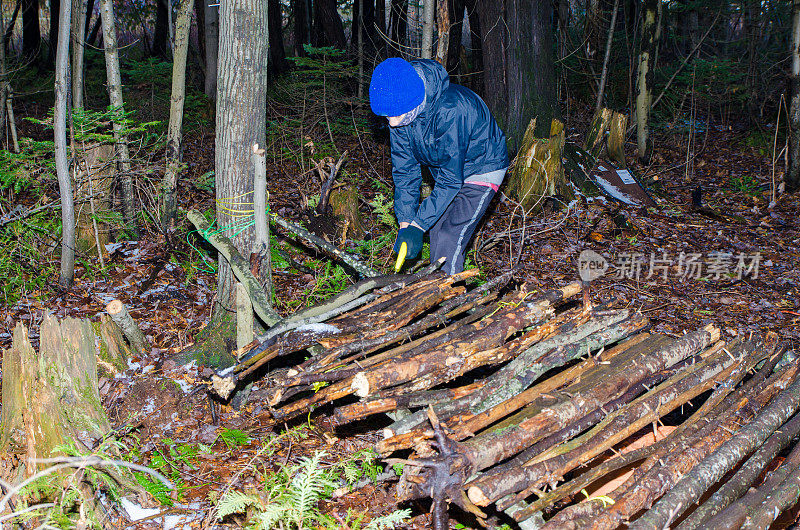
(277, 53)
(328, 28)
(713, 468)
(428, 11)
(174, 148)
(78, 39)
(118, 105)
(211, 31)
(67, 273)
(651, 33)
(737, 485)
(55, 9)
(31, 36)
(793, 175)
(160, 47)
(495, 43)
(241, 121)
(299, 10)
(530, 70)
(604, 72)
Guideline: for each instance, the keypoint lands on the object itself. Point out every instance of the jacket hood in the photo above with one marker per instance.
(436, 79)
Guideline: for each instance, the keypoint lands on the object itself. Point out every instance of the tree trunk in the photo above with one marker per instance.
(380, 20)
(31, 36)
(428, 10)
(495, 43)
(94, 172)
(78, 38)
(241, 121)
(475, 53)
(443, 31)
(175, 130)
(67, 273)
(328, 28)
(651, 31)
(398, 26)
(793, 176)
(299, 10)
(160, 47)
(118, 104)
(530, 70)
(211, 31)
(455, 10)
(604, 72)
(55, 9)
(277, 54)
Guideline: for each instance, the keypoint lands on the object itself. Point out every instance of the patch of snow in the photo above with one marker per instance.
(191, 365)
(148, 368)
(133, 365)
(318, 328)
(136, 512)
(186, 387)
(613, 190)
(149, 406)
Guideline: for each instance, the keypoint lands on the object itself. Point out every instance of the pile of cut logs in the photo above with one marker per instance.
(560, 414)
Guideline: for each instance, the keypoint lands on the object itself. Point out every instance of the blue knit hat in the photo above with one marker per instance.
(396, 88)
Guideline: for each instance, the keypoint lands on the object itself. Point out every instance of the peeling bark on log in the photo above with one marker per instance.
(778, 497)
(515, 434)
(737, 485)
(653, 453)
(514, 378)
(660, 472)
(614, 428)
(708, 472)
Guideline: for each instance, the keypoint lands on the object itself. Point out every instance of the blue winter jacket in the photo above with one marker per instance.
(455, 136)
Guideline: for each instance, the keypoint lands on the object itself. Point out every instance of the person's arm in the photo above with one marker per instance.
(448, 177)
(407, 177)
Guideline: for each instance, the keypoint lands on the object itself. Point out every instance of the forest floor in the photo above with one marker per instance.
(169, 288)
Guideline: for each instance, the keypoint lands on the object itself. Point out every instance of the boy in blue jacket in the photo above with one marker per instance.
(449, 129)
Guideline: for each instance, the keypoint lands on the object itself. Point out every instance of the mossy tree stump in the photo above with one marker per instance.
(51, 399)
(344, 205)
(606, 136)
(538, 173)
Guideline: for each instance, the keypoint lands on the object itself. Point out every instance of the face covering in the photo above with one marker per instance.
(409, 116)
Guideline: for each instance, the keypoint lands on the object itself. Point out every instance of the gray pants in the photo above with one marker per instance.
(451, 234)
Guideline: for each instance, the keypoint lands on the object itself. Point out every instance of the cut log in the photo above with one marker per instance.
(606, 136)
(114, 351)
(120, 315)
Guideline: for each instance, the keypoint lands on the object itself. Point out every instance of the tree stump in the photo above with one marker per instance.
(344, 205)
(51, 399)
(94, 178)
(538, 173)
(606, 136)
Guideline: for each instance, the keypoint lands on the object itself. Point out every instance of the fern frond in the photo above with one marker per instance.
(235, 502)
(389, 521)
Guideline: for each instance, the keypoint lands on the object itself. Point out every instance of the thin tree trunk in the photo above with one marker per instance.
(299, 9)
(161, 31)
(277, 54)
(604, 73)
(793, 176)
(67, 273)
(428, 10)
(651, 31)
(31, 36)
(174, 133)
(443, 29)
(211, 30)
(78, 37)
(55, 9)
(118, 104)
(9, 31)
(398, 25)
(240, 121)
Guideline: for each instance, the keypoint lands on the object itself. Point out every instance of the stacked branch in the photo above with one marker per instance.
(509, 392)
